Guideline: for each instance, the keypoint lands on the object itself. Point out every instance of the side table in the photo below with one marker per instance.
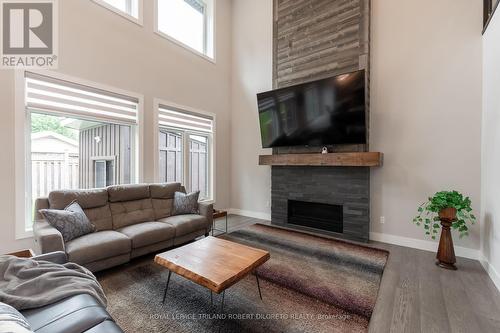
(217, 215)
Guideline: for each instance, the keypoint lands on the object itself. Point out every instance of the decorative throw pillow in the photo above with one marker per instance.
(12, 320)
(185, 203)
(71, 221)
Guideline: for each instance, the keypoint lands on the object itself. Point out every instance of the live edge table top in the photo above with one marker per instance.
(212, 262)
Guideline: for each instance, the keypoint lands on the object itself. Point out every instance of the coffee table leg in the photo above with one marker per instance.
(166, 287)
(222, 303)
(211, 298)
(258, 284)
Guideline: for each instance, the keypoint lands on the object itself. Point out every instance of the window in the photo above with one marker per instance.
(185, 145)
(130, 9)
(171, 156)
(79, 137)
(189, 22)
(104, 172)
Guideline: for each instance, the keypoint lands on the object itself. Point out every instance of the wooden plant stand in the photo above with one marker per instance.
(446, 254)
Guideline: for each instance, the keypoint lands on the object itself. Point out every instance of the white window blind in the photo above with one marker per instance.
(169, 117)
(48, 94)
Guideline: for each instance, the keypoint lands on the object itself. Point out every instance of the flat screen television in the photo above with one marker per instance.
(319, 113)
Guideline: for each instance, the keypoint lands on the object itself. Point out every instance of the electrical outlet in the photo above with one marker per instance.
(382, 219)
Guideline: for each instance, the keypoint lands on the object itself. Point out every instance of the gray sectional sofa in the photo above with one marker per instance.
(131, 220)
(75, 314)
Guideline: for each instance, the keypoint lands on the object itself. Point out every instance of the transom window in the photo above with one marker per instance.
(185, 143)
(189, 22)
(130, 9)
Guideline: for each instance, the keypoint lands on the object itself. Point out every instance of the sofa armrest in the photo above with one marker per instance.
(207, 210)
(48, 238)
(58, 257)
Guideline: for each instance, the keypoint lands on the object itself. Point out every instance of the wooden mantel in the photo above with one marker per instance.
(362, 159)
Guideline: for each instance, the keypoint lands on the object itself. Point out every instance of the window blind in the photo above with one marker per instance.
(173, 118)
(48, 94)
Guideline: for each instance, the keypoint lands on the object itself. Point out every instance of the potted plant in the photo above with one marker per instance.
(454, 211)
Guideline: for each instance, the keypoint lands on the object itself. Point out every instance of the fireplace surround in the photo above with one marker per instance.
(347, 187)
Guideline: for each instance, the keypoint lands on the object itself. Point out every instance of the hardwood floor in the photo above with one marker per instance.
(417, 296)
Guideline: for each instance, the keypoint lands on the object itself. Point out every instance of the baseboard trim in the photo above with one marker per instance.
(249, 213)
(492, 272)
(421, 244)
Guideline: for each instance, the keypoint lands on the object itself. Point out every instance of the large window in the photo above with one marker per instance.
(79, 137)
(189, 22)
(130, 9)
(185, 143)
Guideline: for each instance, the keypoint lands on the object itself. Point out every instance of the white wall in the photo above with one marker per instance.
(101, 46)
(425, 107)
(251, 73)
(490, 231)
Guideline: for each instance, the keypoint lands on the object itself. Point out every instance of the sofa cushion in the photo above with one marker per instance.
(185, 224)
(100, 217)
(164, 190)
(131, 212)
(185, 203)
(94, 203)
(85, 198)
(97, 246)
(148, 233)
(162, 198)
(129, 192)
(70, 221)
(12, 320)
(162, 207)
(73, 314)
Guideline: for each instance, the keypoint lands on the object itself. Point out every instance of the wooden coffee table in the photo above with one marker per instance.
(213, 263)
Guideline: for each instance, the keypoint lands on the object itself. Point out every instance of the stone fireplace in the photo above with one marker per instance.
(322, 199)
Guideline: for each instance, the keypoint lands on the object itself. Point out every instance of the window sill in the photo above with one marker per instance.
(181, 44)
(207, 201)
(136, 20)
(24, 234)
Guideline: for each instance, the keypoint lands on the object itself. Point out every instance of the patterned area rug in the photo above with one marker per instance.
(310, 284)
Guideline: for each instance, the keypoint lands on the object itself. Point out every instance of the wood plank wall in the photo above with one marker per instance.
(115, 140)
(315, 39)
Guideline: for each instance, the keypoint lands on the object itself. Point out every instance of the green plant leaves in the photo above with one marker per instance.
(428, 212)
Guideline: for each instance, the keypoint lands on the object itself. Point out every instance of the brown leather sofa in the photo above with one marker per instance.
(131, 220)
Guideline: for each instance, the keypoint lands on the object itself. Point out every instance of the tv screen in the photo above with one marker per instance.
(319, 113)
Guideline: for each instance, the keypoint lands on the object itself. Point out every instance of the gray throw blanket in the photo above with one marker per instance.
(27, 283)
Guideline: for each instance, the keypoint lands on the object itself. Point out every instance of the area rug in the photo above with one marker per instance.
(310, 284)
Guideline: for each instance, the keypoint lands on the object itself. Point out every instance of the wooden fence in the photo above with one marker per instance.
(53, 171)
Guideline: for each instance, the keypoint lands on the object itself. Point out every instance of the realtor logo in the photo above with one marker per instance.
(29, 33)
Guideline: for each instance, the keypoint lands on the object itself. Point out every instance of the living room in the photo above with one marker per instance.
(147, 122)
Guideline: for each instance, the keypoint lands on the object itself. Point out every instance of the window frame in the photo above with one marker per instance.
(181, 134)
(209, 32)
(96, 159)
(22, 144)
(187, 140)
(139, 20)
(211, 146)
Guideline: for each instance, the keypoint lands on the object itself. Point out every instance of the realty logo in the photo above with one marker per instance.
(29, 33)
